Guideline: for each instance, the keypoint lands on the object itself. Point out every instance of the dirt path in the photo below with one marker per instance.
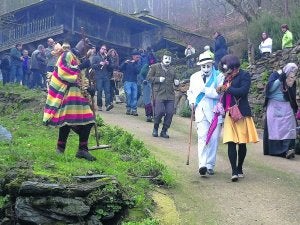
(269, 193)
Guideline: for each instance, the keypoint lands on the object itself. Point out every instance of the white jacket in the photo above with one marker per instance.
(266, 46)
(189, 52)
(208, 102)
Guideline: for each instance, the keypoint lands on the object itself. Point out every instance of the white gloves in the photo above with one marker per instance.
(161, 79)
(176, 82)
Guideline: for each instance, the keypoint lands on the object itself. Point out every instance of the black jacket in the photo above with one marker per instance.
(239, 89)
(102, 72)
(130, 70)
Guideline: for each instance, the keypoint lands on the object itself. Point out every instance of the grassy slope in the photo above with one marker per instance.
(34, 144)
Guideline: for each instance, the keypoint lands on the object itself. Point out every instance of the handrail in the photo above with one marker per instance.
(20, 31)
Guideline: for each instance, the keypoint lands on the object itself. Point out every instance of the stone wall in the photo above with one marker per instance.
(261, 70)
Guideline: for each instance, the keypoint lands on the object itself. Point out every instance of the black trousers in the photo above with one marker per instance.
(163, 108)
(236, 158)
(83, 132)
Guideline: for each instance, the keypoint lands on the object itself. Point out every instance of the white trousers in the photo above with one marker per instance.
(207, 154)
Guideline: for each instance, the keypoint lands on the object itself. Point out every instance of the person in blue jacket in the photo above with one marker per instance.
(220, 47)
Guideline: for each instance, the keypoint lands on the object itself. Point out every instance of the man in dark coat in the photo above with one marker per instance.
(103, 70)
(220, 48)
(163, 80)
(16, 70)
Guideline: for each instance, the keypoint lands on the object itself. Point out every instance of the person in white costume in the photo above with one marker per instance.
(203, 98)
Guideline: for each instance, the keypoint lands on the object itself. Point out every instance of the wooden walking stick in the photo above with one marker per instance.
(190, 137)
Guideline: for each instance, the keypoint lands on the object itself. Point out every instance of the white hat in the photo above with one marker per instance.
(206, 47)
(204, 58)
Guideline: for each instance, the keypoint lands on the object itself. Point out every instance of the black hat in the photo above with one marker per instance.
(135, 52)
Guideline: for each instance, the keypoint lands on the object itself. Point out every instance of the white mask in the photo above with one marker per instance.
(166, 60)
(206, 69)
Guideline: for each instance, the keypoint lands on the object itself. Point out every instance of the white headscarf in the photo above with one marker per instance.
(290, 68)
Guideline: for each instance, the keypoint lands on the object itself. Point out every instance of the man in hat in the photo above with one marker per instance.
(130, 68)
(203, 98)
(163, 79)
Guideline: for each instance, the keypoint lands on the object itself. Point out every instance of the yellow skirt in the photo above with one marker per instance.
(240, 132)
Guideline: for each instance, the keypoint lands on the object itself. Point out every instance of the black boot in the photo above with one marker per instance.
(155, 130)
(60, 148)
(164, 134)
(83, 152)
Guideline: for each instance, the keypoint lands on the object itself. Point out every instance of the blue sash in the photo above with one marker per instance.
(212, 80)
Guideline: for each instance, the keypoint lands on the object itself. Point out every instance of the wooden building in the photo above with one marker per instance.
(32, 22)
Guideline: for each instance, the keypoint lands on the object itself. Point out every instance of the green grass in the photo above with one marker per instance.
(33, 149)
(143, 222)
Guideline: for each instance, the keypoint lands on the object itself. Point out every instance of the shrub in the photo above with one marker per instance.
(185, 111)
(270, 23)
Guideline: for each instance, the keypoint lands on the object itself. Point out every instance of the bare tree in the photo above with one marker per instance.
(135, 6)
(286, 8)
(150, 5)
(238, 6)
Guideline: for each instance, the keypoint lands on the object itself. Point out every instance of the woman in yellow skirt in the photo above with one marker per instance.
(236, 88)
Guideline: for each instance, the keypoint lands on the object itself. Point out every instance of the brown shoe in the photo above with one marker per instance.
(83, 154)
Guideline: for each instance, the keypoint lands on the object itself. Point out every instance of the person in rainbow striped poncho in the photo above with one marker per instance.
(66, 106)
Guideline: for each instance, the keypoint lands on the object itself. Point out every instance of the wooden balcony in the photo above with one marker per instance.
(29, 32)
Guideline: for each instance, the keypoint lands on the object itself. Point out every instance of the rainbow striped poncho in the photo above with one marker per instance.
(65, 104)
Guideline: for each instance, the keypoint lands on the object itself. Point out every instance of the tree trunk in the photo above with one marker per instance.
(168, 9)
(150, 6)
(286, 8)
(135, 6)
(237, 5)
(250, 52)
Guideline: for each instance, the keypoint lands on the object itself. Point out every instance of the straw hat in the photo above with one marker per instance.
(204, 58)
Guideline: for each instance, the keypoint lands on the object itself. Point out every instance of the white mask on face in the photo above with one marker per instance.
(166, 60)
(206, 69)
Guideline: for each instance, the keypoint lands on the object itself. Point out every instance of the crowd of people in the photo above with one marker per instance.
(217, 95)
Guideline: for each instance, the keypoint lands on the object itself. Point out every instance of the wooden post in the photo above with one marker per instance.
(28, 20)
(108, 26)
(73, 19)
